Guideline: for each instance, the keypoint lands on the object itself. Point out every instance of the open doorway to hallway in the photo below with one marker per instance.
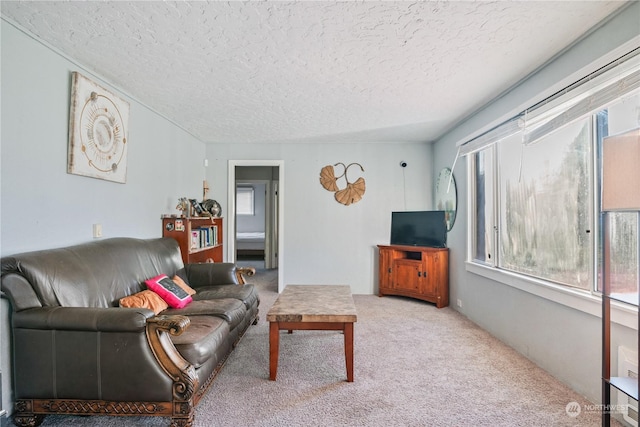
(255, 215)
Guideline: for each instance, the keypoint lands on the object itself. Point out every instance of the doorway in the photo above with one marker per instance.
(255, 220)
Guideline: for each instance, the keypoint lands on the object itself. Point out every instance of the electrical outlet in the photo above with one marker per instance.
(97, 231)
(459, 303)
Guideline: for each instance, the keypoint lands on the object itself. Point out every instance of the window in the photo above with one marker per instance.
(545, 193)
(535, 186)
(245, 200)
(483, 233)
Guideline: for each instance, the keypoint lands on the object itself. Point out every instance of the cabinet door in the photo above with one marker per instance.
(407, 275)
(429, 279)
(435, 284)
(385, 271)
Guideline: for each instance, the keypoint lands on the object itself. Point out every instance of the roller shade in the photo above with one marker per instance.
(593, 92)
(505, 130)
(596, 101)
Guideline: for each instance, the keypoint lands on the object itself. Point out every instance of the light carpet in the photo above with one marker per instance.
(415, 365)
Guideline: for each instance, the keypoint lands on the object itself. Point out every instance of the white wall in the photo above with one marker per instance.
(41, 205)
(326, 242)
(564, 341)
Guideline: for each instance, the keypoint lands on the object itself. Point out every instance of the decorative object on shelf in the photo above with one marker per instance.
(211, 207)
(620, 182)
(184, 206)
(205, 189)
(191, 207)
(98, 126)
(352, 192)
(446, 196)
(197, 207)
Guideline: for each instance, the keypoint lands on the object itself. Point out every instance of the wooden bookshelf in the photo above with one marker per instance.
(199, 238)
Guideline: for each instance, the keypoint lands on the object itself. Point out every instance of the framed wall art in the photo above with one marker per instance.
(98, 126)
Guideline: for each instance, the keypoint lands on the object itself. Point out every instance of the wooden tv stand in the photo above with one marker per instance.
(415, 271)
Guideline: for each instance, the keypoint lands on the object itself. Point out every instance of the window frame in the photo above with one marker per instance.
(473, 203)
(588, 301)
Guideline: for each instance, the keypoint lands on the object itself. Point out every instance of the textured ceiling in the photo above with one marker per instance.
(387, 71)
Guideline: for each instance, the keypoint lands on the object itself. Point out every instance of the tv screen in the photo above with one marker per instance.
(419, 228)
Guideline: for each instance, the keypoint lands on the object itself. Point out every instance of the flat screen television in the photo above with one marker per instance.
(419, 228)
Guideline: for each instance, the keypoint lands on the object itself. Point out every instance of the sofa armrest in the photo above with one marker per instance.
(244, 271)
(113, 319)
(183, 374)
(19, 291)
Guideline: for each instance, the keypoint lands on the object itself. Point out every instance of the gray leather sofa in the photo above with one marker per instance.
(76, 351)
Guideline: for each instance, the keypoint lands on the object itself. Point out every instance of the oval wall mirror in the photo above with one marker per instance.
(446, 196)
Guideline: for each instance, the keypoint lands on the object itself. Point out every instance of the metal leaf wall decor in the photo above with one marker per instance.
(351, 193)
(328, 178)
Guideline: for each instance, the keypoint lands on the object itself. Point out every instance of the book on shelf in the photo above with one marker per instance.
(204, 237)
(195, 239)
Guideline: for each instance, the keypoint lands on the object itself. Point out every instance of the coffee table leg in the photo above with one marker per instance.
(348, 350)
(274, 342)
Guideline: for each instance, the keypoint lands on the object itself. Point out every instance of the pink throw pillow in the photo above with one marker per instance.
(169, 291)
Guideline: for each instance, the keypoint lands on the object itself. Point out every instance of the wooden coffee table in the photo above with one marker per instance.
(312, 307)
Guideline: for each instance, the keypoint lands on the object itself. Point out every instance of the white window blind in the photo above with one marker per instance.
(500, 132)
(596, 100)
(245, 200)
(597, 90)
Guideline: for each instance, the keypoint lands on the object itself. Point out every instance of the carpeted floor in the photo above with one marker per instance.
(415, 365)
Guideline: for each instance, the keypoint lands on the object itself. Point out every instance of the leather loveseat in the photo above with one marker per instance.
(77, 351)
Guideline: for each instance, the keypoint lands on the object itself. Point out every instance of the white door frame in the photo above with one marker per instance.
(231, 211)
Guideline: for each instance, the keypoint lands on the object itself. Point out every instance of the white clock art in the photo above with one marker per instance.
(446, 196)
(97, 132)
